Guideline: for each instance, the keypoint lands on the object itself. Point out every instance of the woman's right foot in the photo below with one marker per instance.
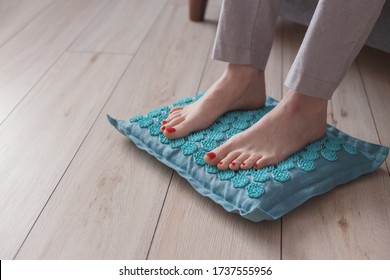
(296, 121)
(241, 87)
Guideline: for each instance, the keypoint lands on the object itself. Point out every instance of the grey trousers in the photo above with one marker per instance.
(335, 36)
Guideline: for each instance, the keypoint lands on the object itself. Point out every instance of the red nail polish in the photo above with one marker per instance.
(163, 128)
(211, 155)
(243, 163)
(255, 165)
(171, 129)
(164, 122)
(220, 163)
(233, 163)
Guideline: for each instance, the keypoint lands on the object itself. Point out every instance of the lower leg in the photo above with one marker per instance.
(245, 31)
(335, 36)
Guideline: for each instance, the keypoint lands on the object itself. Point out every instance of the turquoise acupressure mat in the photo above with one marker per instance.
(264, 194)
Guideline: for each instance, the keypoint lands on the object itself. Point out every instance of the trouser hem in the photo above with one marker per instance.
(306, 84)
(239, 55)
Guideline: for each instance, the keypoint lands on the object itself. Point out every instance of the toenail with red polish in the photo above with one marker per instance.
(255, 165)
(211, 155)
(164, 122)
(243, 163)
(171, 129)
(233, 163)
(163, 128)
(220, 163)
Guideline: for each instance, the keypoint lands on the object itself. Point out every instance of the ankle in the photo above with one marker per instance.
(243, 71)
(298, 102)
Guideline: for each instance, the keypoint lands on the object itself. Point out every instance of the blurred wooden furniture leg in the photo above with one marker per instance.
(197, 9)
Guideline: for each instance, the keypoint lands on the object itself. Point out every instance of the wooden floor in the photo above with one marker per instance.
(71, 187)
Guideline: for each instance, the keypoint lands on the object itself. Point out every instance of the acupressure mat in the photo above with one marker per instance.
(263, 194)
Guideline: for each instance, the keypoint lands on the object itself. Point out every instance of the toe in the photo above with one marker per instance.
(175, 121)
(171, 117)
(177, 128)
(171, 129)
(176, 109)
(263, 162)
(171, 123)
(237, 162)
(249, 162)
(217, 155)
(226, 161)
(211, 158)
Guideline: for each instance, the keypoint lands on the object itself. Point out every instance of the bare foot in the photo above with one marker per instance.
(241, 87)
(296, 121)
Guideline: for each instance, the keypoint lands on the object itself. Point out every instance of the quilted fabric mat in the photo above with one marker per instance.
(262, 194)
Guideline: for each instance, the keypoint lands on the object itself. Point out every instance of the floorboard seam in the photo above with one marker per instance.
(204, 68)
(87, 25)
(48, 69)
(32, 87)
(369, 105)
(27, 23)
(100, 52)
(159, 215)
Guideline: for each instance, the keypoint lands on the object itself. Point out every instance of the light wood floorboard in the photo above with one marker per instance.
(40, 137)
(15, 15)
(274, 69)
(27, 56)
(118, 29)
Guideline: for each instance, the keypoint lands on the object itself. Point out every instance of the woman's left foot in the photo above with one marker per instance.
(241, 87)
(296, 121)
